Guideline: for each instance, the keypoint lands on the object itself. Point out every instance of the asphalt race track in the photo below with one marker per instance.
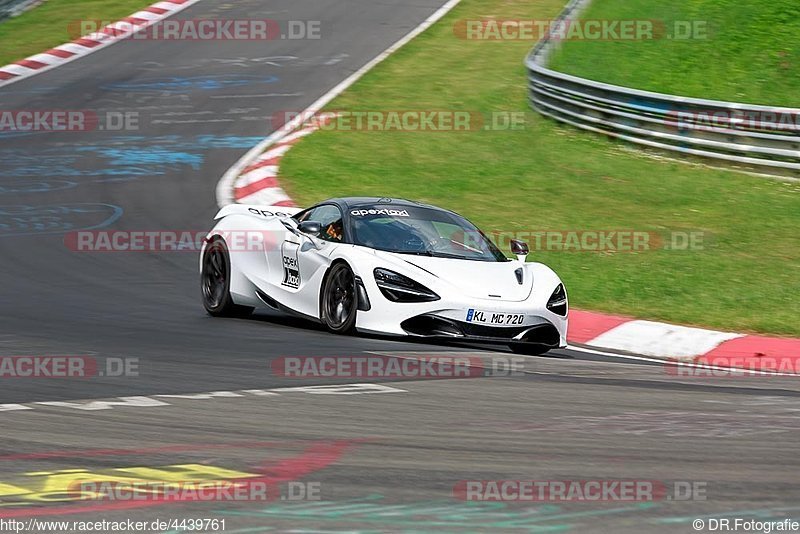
(385, 457)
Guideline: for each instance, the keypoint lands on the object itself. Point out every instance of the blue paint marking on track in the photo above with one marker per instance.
(187, 84)
(147, 156)
(119, 158)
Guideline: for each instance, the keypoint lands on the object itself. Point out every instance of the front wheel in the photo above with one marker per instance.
(215, 282)
(339, 301)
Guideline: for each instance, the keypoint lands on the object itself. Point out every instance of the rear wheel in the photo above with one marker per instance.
(528, 349)
(339, 303)
(215, 282)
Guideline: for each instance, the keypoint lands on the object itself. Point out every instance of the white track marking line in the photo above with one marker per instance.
(662, 361)
(669, 362)
(226, 183)
(157, 400)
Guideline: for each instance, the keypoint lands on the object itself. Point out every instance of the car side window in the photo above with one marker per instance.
(302, 216)
(330, 219)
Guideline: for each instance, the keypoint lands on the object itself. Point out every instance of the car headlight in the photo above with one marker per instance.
(399, 288)
(558, 301)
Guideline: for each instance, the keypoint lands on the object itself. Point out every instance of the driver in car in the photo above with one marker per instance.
(334, 230)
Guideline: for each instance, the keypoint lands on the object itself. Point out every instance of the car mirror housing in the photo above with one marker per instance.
(310, 227)
(519, 249)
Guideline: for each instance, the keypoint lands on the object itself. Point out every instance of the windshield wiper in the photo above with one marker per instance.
(413, 252)
(446, 255)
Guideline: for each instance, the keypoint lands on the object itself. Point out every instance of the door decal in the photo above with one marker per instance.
(291, 265)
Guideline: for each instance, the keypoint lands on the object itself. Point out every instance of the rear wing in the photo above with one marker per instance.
(257, 211)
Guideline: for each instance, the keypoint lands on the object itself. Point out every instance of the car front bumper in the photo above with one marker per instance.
(538, 331)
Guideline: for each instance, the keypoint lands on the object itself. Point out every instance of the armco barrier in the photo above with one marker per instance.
(753, 136)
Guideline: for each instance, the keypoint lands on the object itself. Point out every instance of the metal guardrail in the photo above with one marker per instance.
(754, 136)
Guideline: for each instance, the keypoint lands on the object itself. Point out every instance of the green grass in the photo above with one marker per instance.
(552, 177)
(751, 53)
(54, 23)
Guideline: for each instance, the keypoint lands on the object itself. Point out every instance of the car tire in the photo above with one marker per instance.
(215, 282)
(528, 349)
(339, 300)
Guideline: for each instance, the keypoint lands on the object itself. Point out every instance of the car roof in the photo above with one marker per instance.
(349, 202)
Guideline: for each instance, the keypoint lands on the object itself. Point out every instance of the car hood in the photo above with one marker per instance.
(476, 279)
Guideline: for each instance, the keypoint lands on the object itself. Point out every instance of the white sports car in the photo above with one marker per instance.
(385, 266)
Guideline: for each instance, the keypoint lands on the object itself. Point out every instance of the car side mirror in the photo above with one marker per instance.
(310, 227)
(519, 249)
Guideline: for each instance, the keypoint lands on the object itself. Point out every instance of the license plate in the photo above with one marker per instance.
(493, 318)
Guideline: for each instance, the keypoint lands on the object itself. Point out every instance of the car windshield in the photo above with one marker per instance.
(422, 231)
